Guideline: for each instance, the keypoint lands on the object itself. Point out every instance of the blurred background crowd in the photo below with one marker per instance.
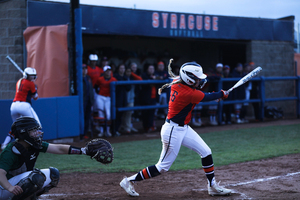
(100, 71)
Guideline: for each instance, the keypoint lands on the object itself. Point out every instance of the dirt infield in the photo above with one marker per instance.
(276, 178)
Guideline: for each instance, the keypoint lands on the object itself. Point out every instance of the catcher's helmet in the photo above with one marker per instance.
(29, 71)
(190, 72)
(28, 130)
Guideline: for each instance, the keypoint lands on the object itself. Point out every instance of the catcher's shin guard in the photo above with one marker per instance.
(31, 184)
(54, 176)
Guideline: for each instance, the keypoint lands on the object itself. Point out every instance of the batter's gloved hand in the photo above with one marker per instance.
(100, 150)
(225, 94)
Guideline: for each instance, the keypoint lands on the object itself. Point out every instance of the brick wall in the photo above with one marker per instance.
(277, 59)
(13, 23)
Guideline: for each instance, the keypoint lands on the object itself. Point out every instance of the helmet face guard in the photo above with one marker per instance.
(202, 83)
(35, 138)
(28, 130)
(31, 77)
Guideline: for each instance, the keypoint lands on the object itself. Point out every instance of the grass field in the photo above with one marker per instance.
(232, 146)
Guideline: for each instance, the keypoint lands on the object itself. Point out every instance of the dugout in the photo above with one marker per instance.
(124, 34)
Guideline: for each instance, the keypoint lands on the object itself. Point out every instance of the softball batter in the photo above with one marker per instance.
(21, 105)
(176, 131)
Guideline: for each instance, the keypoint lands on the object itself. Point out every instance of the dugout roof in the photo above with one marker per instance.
(132, 22)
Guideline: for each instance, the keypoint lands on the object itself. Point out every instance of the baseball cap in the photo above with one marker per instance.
(226, 67)
(219, 65)
(106, 67)
(93, 57)
(239, 65)
(160, 63)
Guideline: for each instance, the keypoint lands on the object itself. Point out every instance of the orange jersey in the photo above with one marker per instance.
(24, 90)
(104, 85)
(94, 73)
(182, 101)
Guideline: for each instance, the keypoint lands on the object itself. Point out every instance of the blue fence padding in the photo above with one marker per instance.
(220, 104)
(5, 118)
(59, 116)
(46, 110)
(68, 117)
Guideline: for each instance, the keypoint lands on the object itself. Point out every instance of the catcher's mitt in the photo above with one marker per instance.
(100, 149)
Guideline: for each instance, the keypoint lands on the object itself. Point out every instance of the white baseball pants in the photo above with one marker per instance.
(103, 103)
(21, 109)
(4, 194)
(172, 137)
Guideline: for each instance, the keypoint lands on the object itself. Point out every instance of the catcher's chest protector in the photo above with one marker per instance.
(26, 156)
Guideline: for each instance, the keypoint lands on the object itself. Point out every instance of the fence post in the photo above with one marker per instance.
(262, 97)
(113, 105)
(220, 104)
(298, 95)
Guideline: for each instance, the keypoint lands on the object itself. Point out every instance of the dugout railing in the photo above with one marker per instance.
(262, 97)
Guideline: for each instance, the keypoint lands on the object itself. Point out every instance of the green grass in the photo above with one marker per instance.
(232, 146)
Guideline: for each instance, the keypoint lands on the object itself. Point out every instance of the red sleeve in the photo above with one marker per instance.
(197, 96)
(136, 77)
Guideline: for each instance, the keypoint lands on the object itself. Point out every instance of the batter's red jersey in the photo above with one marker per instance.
(103, 84)
(182, 101)
(94, 73)
(24, 90)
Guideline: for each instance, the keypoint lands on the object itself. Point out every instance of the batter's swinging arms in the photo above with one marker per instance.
(185, 94)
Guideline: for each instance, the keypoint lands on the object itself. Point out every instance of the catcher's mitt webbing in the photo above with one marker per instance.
(100, 150)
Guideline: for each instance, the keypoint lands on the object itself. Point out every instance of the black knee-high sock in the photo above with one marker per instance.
(208, 167)
(148, 172)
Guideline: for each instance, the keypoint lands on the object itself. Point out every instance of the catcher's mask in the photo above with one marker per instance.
(28, 130)
(191, 72)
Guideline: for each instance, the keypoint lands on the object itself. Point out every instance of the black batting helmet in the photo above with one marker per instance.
(22, 128)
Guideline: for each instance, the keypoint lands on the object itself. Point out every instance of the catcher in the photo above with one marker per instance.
(18, 177)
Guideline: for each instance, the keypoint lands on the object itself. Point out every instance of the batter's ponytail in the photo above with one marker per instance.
(173, 76)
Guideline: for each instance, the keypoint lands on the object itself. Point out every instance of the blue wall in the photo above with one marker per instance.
(59, 116)
(120, 21)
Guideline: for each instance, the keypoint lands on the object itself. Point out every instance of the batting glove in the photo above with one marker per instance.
(225, 94)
